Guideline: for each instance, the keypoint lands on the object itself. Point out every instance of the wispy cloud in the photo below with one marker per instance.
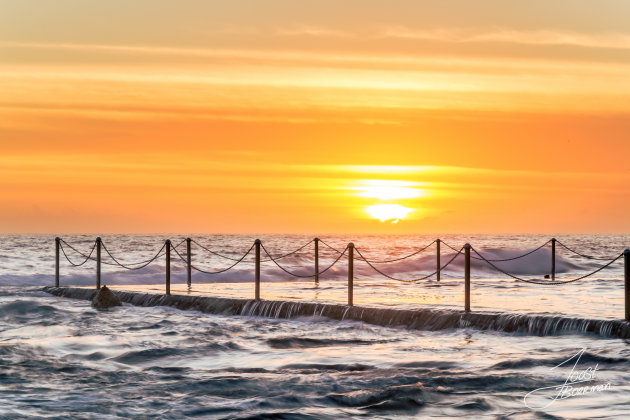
(299, 86)
(508, 35)
(543, 36)
(313, 30)
(407, 61)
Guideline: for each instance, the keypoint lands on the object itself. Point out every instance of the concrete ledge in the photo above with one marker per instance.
(421, 319)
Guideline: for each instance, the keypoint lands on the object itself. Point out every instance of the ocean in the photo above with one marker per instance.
(59, 358)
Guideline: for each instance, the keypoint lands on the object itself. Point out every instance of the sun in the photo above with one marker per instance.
(386, 193)
(385, 212)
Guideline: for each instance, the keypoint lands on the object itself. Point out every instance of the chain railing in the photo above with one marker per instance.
(63, 248)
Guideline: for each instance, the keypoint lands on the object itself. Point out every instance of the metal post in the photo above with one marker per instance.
(626, 267)
(439, 265)
(467, 278)
(553, 258)
(189, 263)
(57, 246)
(98, 263)
(168, 266)
(350, 273)
(257, 243)
(316, 260)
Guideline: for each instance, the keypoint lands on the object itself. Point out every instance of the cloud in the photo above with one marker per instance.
(508, 35)
(389, 60)
(383, 86)
(313, 30)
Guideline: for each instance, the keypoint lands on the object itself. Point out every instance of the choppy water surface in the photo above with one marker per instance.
(60, 358)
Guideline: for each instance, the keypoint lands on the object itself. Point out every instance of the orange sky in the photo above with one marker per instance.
(283, 116)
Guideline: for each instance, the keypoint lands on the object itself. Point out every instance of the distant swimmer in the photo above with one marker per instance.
(105, 298)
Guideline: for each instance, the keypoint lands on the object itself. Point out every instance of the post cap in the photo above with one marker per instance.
(98, 239)
(316, 239)
(257, 242)
(467, 246)
(553, 239)
(57, 239)
(351, 245)
(168, 242)
(438, 240)
(188, 239)
(626, 252)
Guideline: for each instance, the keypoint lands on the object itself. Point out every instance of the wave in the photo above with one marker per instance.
(320, 367)
(537, 263)
(421, 319)
(407, 398)
(586, 357)
(306, 342)
(154, 275)
(28, 310)
(146, 355)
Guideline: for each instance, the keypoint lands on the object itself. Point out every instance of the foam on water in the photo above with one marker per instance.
(61, 358)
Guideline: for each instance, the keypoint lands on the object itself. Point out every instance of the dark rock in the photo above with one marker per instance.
(105, 298)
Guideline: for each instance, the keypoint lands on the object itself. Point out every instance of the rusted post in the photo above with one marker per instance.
(188, 262)
(316, 260)
(168, 266)
(467, 278)
(626, 269)
(98, 262)
(439, 265)
(257, 243)
(553, 258)
(57, 246)
(350, 273)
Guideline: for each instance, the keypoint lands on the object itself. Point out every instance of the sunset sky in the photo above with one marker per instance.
(314, 116)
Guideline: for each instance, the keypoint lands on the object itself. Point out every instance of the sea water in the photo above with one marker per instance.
(60, 358)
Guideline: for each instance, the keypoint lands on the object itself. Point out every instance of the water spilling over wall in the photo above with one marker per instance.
(421, 319)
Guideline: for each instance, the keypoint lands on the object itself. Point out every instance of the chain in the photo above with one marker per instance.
(545, 282)
(302, 275)
(409, 280)
(87, 257)
(143, 263)
(215, 272)
(589, 257)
